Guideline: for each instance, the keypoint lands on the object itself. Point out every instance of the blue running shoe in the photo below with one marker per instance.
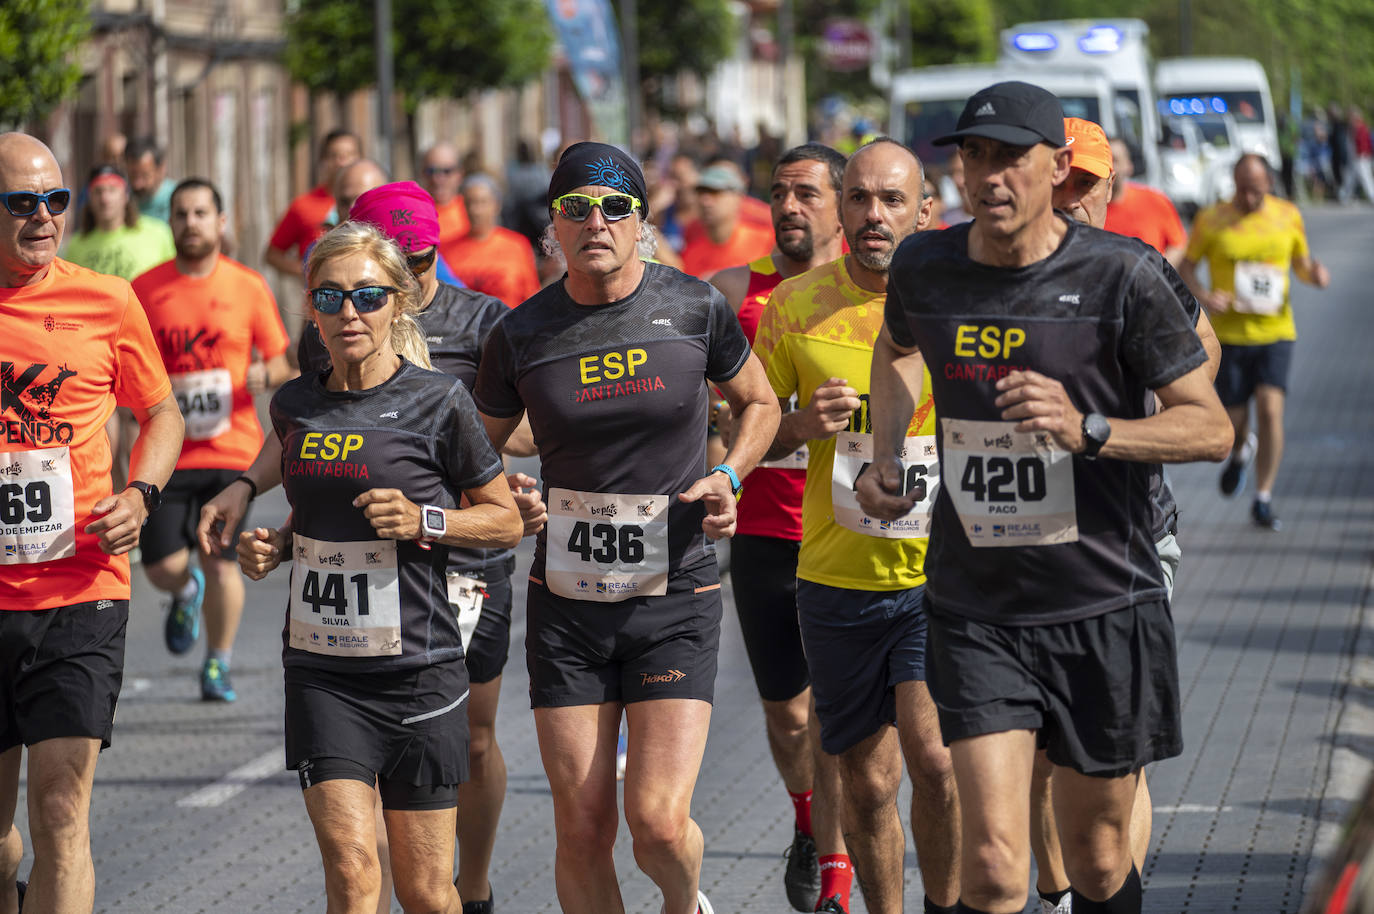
(215, 684)
(621, 753)
(183, 617)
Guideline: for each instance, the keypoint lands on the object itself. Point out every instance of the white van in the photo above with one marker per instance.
(1117, 47)
(925, 103)
(1237, 86)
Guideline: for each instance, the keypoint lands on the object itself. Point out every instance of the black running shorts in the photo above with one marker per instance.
(60, 672)
(489, 648)
(585, 653)
(763, 575)
(1243, 368)
(1101, 692)
(860, 645)
(173, 526)
(409, 726)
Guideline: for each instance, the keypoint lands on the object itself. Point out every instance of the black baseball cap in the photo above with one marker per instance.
(1013, 112)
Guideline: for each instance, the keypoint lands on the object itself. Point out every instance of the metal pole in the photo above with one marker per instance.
(1185, 28)
(629, 49)
(786, 35)
(386, 82)
(903, 29)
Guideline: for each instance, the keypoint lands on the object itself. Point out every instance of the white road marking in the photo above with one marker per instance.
(139, 685)
(234, 783)
(1190, 807)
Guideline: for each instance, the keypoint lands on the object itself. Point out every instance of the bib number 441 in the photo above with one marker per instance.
(623, 544)
(1002, 479)
(328, 590)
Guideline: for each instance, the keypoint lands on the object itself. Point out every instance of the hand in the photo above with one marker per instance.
(1218, 301)
(221, 516)
(530, 503)
(713, 490)
(878, 490)
(829, 409)
(1321, 276)
(256, 381)
(391, 514)
(121, 518)
(1043, 405)
(260, 551)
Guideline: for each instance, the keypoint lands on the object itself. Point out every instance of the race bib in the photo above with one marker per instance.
(206, 399)
(345, 598)
(606, 548)
(37, 506)
(465, 597)
(1259, 287)
(920, 474)
(1009, 488)
(793, 461)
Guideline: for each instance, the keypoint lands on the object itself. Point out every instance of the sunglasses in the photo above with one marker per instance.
(578, 207)
(365, 299)
(419, 264)
(440, 169)
(24, 203)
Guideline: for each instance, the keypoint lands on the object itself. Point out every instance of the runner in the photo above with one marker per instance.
(1251, 244)
(859, 589)
(378, 453)
(721, 236)
(114, 238)
(1034, 552)
(441, 174)
(75, 344)
(1142, 212)
(623, 603)
(209, 313)
(303, 220)
(152, 189)
(490, 258)
(805, 196)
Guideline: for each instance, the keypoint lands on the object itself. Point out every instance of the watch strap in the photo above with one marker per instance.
(730, 474)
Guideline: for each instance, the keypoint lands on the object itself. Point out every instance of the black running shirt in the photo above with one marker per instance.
(455, 325)
(1024, 533)
(616, 399)
(359, 602)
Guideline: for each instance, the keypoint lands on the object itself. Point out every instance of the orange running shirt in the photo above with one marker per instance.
(206, 329)
(303, 221)
(502, 264)
(701, 256)
(1145, 213)
(76, 343)
(453, 221)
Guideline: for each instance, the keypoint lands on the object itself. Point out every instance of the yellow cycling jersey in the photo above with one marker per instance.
(820, 325)
(1251, 255)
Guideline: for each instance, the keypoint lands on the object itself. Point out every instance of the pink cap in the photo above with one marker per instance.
(404, 211)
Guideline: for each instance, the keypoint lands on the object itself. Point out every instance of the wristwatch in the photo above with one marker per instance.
(731, 475)
(1096, 431)
(434, 522)
(152, 495)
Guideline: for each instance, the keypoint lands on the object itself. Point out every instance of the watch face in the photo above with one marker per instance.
(434, 521)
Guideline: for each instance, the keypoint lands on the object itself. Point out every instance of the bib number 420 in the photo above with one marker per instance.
(1000, 479)
(32, 502)
(332, 592)
(614, 544)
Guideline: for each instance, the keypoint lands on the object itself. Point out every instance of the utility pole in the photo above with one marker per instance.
(1185, 28)
(629, 66)
(386, 83)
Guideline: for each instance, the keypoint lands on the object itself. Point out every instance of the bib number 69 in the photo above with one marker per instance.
(15, 499)
(614, 544)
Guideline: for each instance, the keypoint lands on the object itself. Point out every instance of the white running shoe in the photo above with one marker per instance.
(703, 905)
(1065, 906)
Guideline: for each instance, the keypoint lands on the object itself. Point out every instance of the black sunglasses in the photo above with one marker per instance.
(365, 299)
(24, 203)
(419, 264)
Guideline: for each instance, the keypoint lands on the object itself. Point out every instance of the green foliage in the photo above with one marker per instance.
(39, 40)
(440, 49)
(952, 31)
(676, 35)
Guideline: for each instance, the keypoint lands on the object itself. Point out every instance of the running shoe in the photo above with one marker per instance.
(704, 905)
(802, 878)
(481, 907)
(621, 753)
(831, 905)
(1263, 514)
(215, 684)
(1233, 477)
(183, 617)
(1065, 905)
(21, 888)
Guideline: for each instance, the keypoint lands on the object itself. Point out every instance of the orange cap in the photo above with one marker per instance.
(1091, 151)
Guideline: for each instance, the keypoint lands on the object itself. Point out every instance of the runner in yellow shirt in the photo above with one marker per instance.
(1250, 245)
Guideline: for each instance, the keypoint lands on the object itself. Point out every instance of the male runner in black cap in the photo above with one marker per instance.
(1049, 623)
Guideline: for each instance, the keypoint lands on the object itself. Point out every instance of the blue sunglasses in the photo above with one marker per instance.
(365, 298)
(25, 203)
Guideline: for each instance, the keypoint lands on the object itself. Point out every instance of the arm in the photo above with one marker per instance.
(221, 515)
(501, 430)
(263, 376)
(826, 413)
(1192, 426)
(1311, 271)
(732, 283)
(895, 383)
(284, 261)
(1212, 301)
(520, 442)
(121, 515)
(1210, 344)
(492, 521)
(1174, 254)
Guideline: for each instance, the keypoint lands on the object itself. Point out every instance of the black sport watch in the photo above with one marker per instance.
(1096, 431)
(152, 495)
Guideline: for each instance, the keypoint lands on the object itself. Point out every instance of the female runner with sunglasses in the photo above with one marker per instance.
(623, 607)
(377, 452)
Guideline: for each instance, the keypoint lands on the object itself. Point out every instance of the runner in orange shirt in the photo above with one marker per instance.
(441, 174)
(304, 219)
(1143, 212)
(209, 314)
(75, 344)
(722, 237)
(490, 258)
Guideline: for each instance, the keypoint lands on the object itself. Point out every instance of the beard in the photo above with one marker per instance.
(876, 261)
(800, 248)
(194, 248)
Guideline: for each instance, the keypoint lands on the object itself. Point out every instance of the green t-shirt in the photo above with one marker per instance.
(125, 252)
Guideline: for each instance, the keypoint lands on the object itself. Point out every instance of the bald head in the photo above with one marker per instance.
(27, 243)
(881, 202)
(1252, 182)
(353, 181)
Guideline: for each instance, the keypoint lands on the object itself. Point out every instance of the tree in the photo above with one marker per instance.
(39, 40)
(678, 35)
(440, 49)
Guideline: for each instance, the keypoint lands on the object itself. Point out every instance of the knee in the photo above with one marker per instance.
(417, 897)
(481, 745)
(991, 870)
(587, 833)
(162, 574)
(660, 827)
(1094, 861)
(931, 767)
(867, 790)
(350, 870)
(58, 814)
(786, 720)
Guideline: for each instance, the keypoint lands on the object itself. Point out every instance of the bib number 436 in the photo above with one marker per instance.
(623, 544)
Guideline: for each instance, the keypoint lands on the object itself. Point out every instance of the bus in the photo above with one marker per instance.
(1238, 86)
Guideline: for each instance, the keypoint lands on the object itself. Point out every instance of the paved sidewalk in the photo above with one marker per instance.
(193, 811)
